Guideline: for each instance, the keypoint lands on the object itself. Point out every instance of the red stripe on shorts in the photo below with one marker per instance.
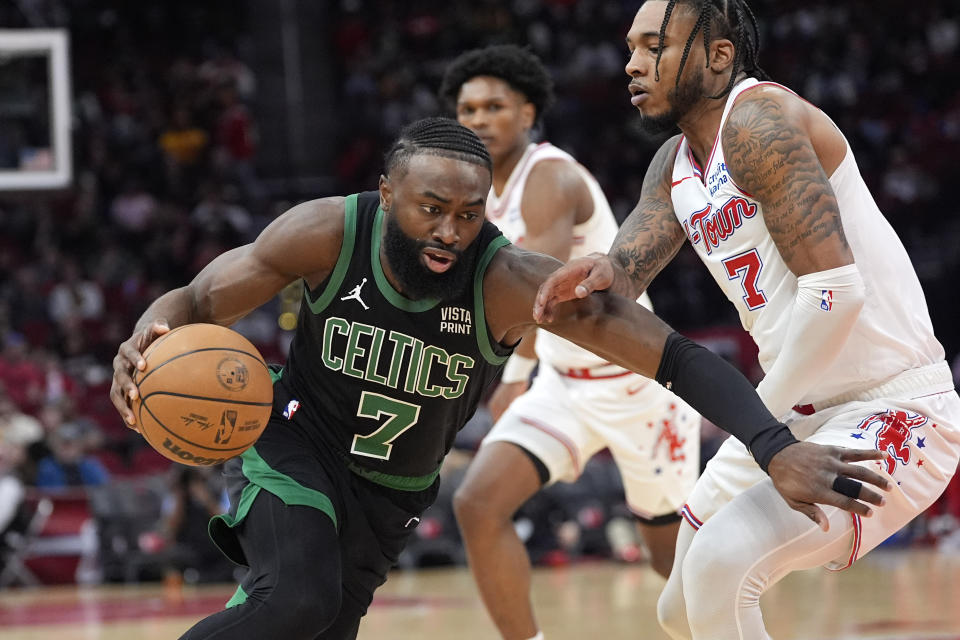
(564, 440)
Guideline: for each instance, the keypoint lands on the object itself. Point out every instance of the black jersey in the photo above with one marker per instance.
(382, 379)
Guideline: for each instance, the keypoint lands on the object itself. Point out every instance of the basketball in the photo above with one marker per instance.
(204, 396)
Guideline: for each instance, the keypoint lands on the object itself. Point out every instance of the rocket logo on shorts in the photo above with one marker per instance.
(674, 442)
(291, 409)
(826, 299)
(894, 433)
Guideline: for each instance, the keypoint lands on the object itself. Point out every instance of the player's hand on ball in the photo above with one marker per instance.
(808, 474)
(576, 279)
(129, 357)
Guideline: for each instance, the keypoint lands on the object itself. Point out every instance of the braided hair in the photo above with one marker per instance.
(518, 67)
(440, 137)
(728, 19)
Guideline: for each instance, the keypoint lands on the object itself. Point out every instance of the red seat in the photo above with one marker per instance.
(65, 539)
(146, 461)
(113, 462)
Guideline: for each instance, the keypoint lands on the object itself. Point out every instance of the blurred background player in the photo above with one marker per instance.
(544, 201)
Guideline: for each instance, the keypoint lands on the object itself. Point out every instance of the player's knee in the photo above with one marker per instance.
(714, 573)
(304, 607)
(470, 508)
(671, 613)
(312, 610)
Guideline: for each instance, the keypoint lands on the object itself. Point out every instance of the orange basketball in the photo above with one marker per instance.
(205, 395)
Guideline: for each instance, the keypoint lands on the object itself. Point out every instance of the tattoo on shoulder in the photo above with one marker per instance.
(651, 235)
(772, 158)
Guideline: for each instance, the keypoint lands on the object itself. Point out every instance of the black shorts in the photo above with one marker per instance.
(373, 522)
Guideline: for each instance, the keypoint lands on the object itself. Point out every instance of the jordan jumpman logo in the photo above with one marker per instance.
(355, 294)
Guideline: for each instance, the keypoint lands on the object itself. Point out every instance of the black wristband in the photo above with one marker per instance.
(723, 396)
(769, 443)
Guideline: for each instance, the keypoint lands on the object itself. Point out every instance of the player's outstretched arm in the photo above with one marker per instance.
(303, 242)
(628, 334)
(648, 239)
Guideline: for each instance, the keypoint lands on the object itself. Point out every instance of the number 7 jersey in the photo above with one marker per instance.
(383, 380)
(725, 226)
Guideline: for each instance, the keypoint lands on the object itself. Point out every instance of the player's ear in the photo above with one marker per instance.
(722, 53)
(528, 114)
(386, 193)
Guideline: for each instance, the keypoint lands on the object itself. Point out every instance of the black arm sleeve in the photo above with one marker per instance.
(723, 396)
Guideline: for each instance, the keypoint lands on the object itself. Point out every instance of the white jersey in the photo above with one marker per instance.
(725, 225)
(596, 234)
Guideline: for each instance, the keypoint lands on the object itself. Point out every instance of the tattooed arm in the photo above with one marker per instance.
(771, 143)
(769, 149)
(646, 242)
(651, 235)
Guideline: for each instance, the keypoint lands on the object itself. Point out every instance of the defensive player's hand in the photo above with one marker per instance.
(503, 396)
(130, 356)
(576, 279)
(804, 474)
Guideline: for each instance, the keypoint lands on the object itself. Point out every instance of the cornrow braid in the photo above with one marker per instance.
(436, 136)
(728, 19)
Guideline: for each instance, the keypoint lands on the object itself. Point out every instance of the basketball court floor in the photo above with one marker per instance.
(889, 595)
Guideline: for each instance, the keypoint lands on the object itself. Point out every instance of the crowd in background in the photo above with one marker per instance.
(166, 148)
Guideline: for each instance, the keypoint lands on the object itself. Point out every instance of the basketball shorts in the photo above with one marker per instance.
(373, 522)
(915, 418)
(654, 436)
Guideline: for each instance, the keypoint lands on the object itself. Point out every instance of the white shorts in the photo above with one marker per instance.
(914, 418)
(654, 436)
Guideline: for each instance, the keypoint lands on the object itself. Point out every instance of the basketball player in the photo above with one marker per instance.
(380, 376)
(544, 201)
(766, 189)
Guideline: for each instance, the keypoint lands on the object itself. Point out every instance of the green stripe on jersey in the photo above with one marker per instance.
(343, 260)
(401, 483)
(262, 476)
(483, 338)
(238, 598)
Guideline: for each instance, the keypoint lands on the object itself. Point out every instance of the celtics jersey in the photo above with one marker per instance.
(382, 379)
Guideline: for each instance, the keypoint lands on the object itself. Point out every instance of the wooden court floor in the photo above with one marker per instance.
(889, 595)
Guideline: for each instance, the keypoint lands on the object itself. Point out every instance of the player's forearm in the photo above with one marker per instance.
(723, 396)
(625, 263)
(645, 244)
(825, 312)
(627, 334)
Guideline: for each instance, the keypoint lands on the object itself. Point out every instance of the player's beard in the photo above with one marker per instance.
(417, 282)
(681, 100)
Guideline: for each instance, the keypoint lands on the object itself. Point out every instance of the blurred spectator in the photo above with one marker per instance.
(133, 208)
(236, 139)
(21, 376)
(196, 494)
(184, 145)
(58, 384)
(74, 297)
(16, 427)
(182, 141)
(217, 216)
(70, 465)
(226, 67)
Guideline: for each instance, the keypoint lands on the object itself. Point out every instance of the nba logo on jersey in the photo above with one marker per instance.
(826, 299)
(291, 409)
